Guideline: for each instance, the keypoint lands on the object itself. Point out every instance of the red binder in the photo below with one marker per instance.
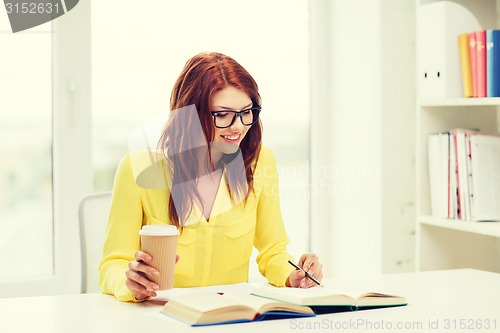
(481, 62)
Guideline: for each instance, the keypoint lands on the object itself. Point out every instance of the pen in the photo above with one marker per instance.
(307, 274)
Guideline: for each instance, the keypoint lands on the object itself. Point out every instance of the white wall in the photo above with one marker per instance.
(363, 145)
(398, 74)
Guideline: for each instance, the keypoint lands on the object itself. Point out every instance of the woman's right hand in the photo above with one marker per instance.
(142, 277)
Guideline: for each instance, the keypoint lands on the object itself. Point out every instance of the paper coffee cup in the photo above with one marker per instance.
(160, 241)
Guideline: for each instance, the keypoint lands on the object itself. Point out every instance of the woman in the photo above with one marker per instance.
(221, 191)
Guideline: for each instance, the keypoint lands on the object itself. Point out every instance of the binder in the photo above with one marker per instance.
(459, 137)
(473, 62)
(438, 158)
(439, 67)
(485, 161)
(496, 63)
(452, 178)
(481, 62)
(493, 62)
(489, 64)
(465, 65)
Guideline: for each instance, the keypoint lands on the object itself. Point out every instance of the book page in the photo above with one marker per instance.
(203, 301)
(243, 288)
(252, 301)
(206, 307)
(378, 299)
(262, 305)
(310, 296)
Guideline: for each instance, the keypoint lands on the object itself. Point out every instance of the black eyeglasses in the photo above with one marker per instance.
(226, 118)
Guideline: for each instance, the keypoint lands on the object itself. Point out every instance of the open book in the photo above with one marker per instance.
(328, 300)
(199, 308)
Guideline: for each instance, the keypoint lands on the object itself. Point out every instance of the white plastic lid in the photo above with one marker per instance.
(159, 230)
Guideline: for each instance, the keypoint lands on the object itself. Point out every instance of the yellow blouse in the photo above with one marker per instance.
(214, 252)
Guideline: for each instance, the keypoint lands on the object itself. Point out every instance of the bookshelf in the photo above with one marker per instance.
(484, 228)
(492, 101)
(446, 243)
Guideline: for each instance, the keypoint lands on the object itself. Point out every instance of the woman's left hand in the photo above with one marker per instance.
(309, 262)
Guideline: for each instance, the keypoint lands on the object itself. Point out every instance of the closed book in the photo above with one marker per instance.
(459, 137)
(485, 161)
(468, 135)
(463, 48)
(489, 64)
(496, 63)
(452, 179)
(481, 62)
(473, 62)
(438, 158)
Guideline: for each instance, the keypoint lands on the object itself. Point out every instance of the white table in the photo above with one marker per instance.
(464, 300)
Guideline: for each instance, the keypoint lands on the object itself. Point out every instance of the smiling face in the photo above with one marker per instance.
(207, 82)
(227, 140)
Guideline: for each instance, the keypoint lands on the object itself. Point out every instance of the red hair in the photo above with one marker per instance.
(204, 75)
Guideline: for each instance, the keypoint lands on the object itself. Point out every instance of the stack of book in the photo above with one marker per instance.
(480, 63)
(464, 175)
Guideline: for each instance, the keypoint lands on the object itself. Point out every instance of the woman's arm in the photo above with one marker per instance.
(122, 239)
(270, 235)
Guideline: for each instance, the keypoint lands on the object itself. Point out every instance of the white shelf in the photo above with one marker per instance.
(446, 243)
(481, 228)
(489, 101)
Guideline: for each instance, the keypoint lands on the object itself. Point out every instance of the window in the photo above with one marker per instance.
(26, 217)
(136, 59)
(45, 130)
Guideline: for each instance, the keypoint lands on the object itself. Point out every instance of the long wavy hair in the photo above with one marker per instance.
(204, 75)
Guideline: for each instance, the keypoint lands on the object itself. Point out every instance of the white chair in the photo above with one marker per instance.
(93, 218)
